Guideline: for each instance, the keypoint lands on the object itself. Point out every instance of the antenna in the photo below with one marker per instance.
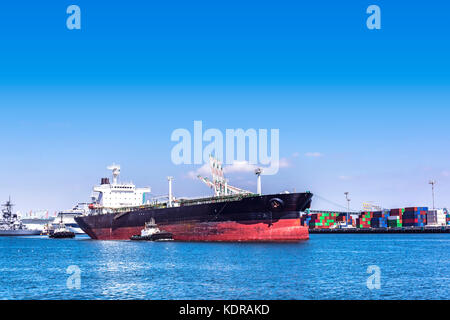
(115, 172)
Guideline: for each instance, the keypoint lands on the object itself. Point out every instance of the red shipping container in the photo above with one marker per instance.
(411, 221)
(396, 212)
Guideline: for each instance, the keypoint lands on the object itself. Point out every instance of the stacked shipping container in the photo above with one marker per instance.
(394, 218)
(436, 217)
(415, 217)
(323, 220)
(379, 222)
(345, 219)
(304, 220)
(379, 219)
(364, 219)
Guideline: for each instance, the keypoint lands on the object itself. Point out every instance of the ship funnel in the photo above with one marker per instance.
(258, 174)
(115, 172)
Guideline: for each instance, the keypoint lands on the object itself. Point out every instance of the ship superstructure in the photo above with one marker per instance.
(110, 196)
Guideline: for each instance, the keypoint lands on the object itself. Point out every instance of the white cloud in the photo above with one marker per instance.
(446, 173)
(236, 167)
(284, 163)
(245, 167)
(345, 178)
(313, 154)
(240, 166)
(203, 171)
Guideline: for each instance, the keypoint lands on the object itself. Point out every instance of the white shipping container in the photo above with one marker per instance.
(436, 217)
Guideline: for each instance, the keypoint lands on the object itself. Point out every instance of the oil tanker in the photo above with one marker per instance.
(121, 211)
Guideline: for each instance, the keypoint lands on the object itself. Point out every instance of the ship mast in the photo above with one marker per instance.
(258, 173)
(7, 212)
(115, 172)
(170, 179)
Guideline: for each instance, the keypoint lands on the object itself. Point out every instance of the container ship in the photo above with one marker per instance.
(120, 211)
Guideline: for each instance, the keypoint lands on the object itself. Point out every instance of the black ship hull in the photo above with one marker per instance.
(251, 218)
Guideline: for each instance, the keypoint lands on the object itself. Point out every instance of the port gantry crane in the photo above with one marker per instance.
(219, 184)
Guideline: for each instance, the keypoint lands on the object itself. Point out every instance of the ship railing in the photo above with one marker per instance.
(183, 202)
(235, 197)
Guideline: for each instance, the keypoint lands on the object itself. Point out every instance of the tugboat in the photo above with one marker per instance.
(47, 230)
(61, 232)
(69, 215)
(151, 232)
(11, 225)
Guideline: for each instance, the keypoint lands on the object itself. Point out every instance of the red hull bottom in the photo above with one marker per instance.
(287, 230)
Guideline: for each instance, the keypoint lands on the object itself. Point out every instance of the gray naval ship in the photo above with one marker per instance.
(11, 224)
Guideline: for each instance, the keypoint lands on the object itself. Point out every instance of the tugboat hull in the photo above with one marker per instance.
(161, 236)
(62, 235)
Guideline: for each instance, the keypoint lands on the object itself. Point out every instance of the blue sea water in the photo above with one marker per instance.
(412, 266)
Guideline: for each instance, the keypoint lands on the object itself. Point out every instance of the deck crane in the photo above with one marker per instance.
(219, 184)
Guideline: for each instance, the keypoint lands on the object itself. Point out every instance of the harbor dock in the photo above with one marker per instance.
(428, 229)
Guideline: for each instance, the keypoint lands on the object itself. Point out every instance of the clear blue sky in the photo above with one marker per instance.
(374, 104)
